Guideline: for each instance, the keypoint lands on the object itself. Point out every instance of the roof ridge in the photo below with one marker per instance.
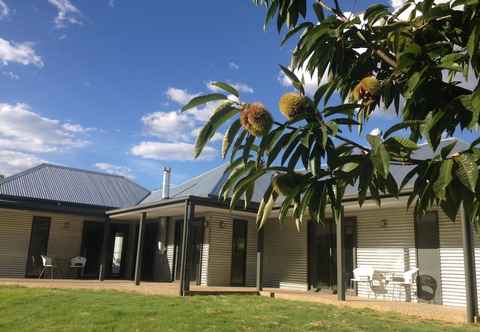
(22, 173)
(45, 165)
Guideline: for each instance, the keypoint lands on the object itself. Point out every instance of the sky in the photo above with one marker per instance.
(99, 84)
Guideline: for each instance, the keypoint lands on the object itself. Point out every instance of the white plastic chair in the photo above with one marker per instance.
(404, 280)
(78, 263)
(362, 274)
(47, 263)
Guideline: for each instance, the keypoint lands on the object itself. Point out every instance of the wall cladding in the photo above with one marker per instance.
(285, 256)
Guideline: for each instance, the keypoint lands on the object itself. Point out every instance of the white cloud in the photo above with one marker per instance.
(111, 3)
(4, 10)
(11, 75)
(67, 13)
(241, 87)
(21, 53)
(175, 130)
(218, 136)
(76, 128)
(178, 151)
(24, 130)
(116, 170)
(233, 65)
(180, 96)
(311, 82)
(12, 162)
(169, 126)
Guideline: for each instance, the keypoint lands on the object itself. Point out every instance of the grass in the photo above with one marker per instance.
(27, 309)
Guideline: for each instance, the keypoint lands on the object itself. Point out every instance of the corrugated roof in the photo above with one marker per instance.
(71, 185)
(209, 184)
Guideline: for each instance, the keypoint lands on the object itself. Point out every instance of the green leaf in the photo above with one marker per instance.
(402, 125)
(227, 87)
(467, 170)
(229, 136)
(200, 100)
(445, 176)
(318, 9)
(223, 112)
(446, 150)
(291, 32)
(295, 80)
(473, 41)
(381, 160)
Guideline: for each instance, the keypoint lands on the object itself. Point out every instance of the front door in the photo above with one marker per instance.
(427, 240)
(150, 248)
(38, 245)
(239, 252)
(195, 247)
(92, 247)
(322, 253)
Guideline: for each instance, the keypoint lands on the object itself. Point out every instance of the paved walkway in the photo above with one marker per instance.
(424, 311)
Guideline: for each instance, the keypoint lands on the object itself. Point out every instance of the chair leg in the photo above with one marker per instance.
(41, 273)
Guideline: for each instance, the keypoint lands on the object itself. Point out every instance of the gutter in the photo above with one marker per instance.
(197, 200)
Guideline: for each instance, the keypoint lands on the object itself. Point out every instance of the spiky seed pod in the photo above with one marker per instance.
(256, 119)
(293, 104)
(285, 183)
(366, 90)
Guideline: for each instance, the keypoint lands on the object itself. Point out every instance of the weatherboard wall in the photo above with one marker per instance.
(64, 241)
(385, 241)
(285, 256)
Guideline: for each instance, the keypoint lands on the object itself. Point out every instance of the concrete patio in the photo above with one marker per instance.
(423, 311)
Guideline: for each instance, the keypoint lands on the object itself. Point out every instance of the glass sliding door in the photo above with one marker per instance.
(322, 253)
(38, 245)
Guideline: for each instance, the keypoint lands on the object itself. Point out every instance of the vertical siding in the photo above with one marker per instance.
(220, 249)
(451, 257)
(390, 248)
(15, 227)
(285, 260)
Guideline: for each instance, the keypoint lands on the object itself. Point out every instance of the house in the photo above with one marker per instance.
(128, 232)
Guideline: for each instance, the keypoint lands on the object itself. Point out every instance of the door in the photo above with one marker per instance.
(427, 240)
(92, 247)
(322, 253)
(239, 252)
(177, 252)
(38, 245)
(117, 254)
(150, 248)
(196, 249)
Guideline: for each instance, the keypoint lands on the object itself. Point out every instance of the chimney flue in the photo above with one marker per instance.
(166, 182)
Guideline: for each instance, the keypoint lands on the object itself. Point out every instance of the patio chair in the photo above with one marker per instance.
(404, 280)
(362, 274)
(78, 263)
(47, 263)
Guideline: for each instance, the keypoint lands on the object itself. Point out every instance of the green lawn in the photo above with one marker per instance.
(24, 309)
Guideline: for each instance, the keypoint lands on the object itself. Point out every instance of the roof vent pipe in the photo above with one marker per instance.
(166, 182)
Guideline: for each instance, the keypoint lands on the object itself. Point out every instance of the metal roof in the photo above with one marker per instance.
(74, 186)
(210, 183)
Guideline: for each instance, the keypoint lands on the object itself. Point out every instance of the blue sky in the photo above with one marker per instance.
(98, 84)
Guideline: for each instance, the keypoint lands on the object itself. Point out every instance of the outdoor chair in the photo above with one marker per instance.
(404, 280)
(47, 263)
(78, 263)
(362, 274)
